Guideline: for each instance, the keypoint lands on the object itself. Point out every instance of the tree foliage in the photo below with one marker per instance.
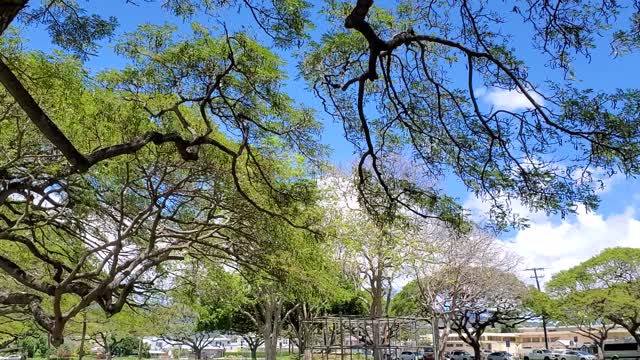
(402, 79)
(601, 292)
(194, 150)
(76, 234)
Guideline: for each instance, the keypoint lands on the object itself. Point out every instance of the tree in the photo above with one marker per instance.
(242, 324)
(392, 76)
(455, 277)
(181, 327)
(600, 293)
(498, 298)
(118, 335)
(76, 143)
(101, 235)
(370, 248)
(585, 310)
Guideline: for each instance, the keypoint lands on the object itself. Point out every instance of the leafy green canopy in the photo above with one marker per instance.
(603, 289)
(104, 234)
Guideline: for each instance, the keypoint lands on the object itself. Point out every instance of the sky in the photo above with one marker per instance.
(549, 242)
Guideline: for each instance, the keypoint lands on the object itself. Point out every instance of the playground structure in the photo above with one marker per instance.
(349, 337)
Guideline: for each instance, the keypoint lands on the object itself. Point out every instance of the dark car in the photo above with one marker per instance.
(428, 354)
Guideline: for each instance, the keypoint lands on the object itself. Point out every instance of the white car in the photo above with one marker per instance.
(576, 355)
(541, 354)
(408, 355)
(500, 355)
(461, 355)
(13, 357)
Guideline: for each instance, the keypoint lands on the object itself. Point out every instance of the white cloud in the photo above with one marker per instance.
(558, 246)
(510, 100)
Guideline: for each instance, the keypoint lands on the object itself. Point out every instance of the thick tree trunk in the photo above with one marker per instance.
(198, 353)
(271, 328)
(476, 351)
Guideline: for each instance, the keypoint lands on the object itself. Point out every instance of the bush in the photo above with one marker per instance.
(35, 346)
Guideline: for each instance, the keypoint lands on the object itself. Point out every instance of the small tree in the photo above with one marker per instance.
(496, 298)
(181, 327)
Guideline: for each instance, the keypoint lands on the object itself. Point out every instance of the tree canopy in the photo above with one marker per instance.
(600, 292)
(114, 182)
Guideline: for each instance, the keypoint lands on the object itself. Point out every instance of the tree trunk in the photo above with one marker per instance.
(254, 351)
(84, 334)
(376, 312)
(107, 349)
(443, 339)
(198, 353)
(476, 351)
(271, 327)
(600, 345)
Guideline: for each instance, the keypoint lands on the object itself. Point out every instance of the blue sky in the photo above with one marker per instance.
(549, 242)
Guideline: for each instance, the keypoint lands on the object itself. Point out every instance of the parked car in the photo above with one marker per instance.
(541, 354)
(576, 355)
(500, 355)
(408, 355)
(461, 355)
(428, 354)
(13, 357)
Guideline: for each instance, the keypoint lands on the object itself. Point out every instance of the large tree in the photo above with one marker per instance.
(403, 78)
(602, 291)
(92, 164)
(73, 235)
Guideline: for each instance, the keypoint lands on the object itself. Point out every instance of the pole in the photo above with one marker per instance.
(544, 320)
(435, 334)
(341, 339)
(350, 343)
(140, 349)
(84, 334)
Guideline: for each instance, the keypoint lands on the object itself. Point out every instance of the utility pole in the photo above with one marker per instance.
(544, 320)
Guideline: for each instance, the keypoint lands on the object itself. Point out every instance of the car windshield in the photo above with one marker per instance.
(582, 353)
(546, 351)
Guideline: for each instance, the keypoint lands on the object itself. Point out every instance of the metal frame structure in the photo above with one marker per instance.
(345, 336)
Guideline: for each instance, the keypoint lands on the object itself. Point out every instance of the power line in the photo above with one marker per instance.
(544, 320)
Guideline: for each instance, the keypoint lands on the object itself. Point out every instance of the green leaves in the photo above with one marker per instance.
(70, 27)
(605, 288)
